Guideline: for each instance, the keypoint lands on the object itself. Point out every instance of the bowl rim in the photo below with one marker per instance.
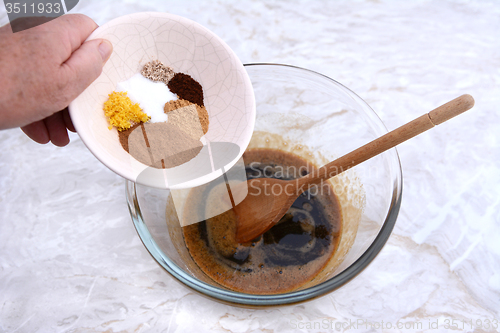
(321, 289)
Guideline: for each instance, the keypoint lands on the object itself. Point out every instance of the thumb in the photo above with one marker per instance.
(85, 65)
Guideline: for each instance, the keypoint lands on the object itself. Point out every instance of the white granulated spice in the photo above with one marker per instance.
(155, 70)
(150, 95)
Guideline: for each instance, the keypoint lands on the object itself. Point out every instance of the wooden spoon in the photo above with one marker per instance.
(263, 207)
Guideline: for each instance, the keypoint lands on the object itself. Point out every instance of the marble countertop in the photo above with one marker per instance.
(71, 260)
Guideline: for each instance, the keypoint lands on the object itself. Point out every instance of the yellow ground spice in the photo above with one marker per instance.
(121, 112)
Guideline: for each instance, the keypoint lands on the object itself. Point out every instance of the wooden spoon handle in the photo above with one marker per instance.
(391, 139)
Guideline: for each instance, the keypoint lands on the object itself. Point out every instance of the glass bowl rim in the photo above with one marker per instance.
(318, 290)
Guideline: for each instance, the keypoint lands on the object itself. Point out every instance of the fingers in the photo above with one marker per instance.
(51, 129)
(37, 132)
(84, 66)
(57, 129)
(67, 120)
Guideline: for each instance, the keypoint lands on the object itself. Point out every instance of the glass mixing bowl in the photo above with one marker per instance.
(313, 116)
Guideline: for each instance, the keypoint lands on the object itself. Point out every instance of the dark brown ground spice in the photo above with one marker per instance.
(186, 88)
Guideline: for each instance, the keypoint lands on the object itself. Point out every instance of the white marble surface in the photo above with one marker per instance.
(71, 261)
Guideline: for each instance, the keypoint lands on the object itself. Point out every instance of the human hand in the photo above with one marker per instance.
(42, 70)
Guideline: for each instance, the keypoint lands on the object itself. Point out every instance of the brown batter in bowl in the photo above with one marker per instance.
(290, 254)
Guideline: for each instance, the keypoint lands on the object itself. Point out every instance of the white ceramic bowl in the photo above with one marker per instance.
(189, 48)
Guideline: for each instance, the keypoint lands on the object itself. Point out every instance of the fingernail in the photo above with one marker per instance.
(105, 49)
